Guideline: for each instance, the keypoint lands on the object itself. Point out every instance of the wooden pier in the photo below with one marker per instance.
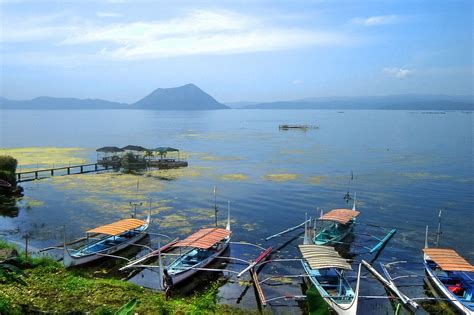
(64, 170)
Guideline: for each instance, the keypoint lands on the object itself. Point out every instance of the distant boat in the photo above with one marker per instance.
(112, 238)
(337, 224)
(325, 269)
(451, 275)
(301, 127)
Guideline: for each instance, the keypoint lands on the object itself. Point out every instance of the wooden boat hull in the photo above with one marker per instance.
(71, 259)
(441, 288)
(188, 273)
(340, 308)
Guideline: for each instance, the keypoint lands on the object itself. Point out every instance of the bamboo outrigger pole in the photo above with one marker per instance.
(287, 230)
(390, 286)
(438, 232)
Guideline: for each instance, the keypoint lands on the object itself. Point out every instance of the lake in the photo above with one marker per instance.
(407, 166)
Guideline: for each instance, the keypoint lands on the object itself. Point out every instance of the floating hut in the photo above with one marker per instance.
(164, 161)
(142, 157)
(138, 151)
(109, 156)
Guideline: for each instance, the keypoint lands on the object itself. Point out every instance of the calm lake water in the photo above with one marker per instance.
(407, 166)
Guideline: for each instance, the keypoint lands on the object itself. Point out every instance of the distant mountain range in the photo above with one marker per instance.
(191, 97)
(186, 97)
(399, 102)
(45, 102)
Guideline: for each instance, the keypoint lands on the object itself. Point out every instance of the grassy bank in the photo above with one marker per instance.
(51, 288)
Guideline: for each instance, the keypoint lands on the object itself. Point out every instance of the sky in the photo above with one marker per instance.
(121, 50)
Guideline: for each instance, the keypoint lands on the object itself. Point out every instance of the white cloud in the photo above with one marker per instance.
(195, 32)
(108, 14)
(201, 32)
(377, 20)
(397, 72)
(297, 82)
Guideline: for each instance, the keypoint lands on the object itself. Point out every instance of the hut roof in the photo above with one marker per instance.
(109, 149)
(134, 148)
(165, 149)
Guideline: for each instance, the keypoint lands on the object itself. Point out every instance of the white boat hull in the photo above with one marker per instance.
(185, 274)
(70, 259)
(341, 309)
(442, 289)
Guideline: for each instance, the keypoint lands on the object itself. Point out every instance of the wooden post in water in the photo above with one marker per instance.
(36, 174)
(215, 205)
(52, 172)
(26, 246)
(95, 165)
(68, 170)
(82, 169)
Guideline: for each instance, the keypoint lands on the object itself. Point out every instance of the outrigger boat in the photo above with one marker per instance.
(200, 249)
(451, 275)
(113, 237)
(337, 224)
(325, 269)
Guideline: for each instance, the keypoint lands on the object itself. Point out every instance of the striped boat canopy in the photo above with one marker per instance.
(320, 257)
(342, 216)
(118, 227)
(204, 238)
(448, 259)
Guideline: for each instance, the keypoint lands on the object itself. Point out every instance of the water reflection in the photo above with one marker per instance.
(8, 207)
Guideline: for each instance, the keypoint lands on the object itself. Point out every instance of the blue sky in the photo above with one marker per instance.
(235, 50)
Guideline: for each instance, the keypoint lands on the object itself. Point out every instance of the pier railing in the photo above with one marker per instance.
(69, 170)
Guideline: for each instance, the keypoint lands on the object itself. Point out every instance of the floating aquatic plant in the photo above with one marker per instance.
(33, 157)
(235, 177)
(280, 177)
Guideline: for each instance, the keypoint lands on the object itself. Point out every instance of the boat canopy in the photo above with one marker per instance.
(342, 216)
(110, 149)
(118, 227)
(320, 257)
(204, 238)
(448, 259)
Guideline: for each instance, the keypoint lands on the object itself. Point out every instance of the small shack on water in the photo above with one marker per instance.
(136, 150)
(114, 156)
(109, 156)
(164, 161)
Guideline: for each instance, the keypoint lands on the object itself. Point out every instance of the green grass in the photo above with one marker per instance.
(53, 289)
(4, 244)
